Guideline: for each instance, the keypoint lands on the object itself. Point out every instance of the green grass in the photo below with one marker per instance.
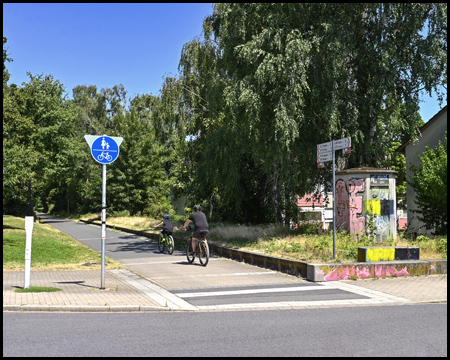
(318, 248)
(37, 289)
(51, 249)
(305, 244)
(279, 241)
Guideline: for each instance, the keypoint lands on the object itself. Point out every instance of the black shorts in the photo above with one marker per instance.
(197, 233)
(166, 232)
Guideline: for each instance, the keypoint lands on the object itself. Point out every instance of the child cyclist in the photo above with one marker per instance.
(167, 226)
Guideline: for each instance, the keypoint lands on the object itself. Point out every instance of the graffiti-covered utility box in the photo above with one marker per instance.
(365, 202)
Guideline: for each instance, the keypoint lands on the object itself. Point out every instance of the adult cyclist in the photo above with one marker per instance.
(200, 223)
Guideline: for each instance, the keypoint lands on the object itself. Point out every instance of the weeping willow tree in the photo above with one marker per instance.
(268, 82)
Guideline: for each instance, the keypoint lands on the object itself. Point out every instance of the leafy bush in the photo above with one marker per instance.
(430, 184)
(443, 247)
(312, 227)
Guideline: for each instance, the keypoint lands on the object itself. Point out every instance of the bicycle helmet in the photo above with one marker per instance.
(196, 207)
(166, 216)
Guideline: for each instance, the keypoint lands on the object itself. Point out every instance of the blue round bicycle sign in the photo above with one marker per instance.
(105, 150)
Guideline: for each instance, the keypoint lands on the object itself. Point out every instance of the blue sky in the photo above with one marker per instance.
(108, 44)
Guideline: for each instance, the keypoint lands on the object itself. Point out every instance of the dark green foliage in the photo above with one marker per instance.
(430, 184)
(237, 130)
(271, 81)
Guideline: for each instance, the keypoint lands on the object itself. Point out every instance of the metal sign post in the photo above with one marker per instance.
(325, 152)
(105, 150)
(103, 224)
(334, 204)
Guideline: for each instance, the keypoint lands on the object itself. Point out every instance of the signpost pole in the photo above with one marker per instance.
(325, 152)
(105, 150)
(334, 206)
(103, 225)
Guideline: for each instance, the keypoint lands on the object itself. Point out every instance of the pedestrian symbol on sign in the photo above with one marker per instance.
(105, 144)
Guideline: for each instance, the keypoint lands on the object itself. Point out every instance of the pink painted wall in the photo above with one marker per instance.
(349, 205)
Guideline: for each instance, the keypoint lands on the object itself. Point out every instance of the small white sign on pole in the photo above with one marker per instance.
(342, 143)
(323, 157)
(29, 221)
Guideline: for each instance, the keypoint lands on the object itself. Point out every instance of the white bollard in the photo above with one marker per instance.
(29, 220)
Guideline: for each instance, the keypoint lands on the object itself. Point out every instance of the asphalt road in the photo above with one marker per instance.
(393, 331)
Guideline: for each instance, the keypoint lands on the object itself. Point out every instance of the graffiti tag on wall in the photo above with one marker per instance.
(380, 208)
(349, 205)
(352, 271)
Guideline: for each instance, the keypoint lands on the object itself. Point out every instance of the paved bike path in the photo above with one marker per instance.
(170, 282)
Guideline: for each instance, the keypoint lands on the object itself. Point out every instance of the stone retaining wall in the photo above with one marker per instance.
(320, 272)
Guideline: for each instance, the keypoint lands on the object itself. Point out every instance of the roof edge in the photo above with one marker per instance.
(401, 148)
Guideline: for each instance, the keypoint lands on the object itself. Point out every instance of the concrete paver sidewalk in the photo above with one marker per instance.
(80, 292)
(146, 282)
(432, 288)
(126, 291)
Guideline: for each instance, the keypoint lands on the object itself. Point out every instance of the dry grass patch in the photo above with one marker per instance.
(279, 241)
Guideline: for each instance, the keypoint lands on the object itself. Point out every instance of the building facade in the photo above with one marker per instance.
(432, 133)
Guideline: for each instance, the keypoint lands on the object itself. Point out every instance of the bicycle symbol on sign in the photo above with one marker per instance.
(104, 155)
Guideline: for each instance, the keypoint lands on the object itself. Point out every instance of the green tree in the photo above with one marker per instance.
(38, 127)
(142, 185)
(6, 74)
(97, 109)
(430, 184)
(295, 75)
(392, 123)
(90, 111)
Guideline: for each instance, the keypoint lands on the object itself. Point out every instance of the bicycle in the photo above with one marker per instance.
(166, 242)
(202, 249)
(103, 156)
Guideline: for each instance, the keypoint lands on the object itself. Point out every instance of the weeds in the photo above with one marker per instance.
(431, 247)
(308, 242)
(316, 248)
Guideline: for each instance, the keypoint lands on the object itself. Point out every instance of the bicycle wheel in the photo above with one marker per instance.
(189, 255)
(170, 244)
(161, 244)
(204, 252)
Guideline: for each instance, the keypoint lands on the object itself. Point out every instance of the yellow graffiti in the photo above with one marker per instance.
(373, 206)
(380, 254)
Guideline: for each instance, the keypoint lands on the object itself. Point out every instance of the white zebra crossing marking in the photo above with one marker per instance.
(252, 291)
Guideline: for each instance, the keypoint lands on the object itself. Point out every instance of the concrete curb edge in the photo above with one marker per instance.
(320, 272)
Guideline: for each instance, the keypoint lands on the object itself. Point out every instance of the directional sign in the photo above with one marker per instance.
(325, 152)
(323, 157)
(105, 149)
(342, 143)
(324, 148)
